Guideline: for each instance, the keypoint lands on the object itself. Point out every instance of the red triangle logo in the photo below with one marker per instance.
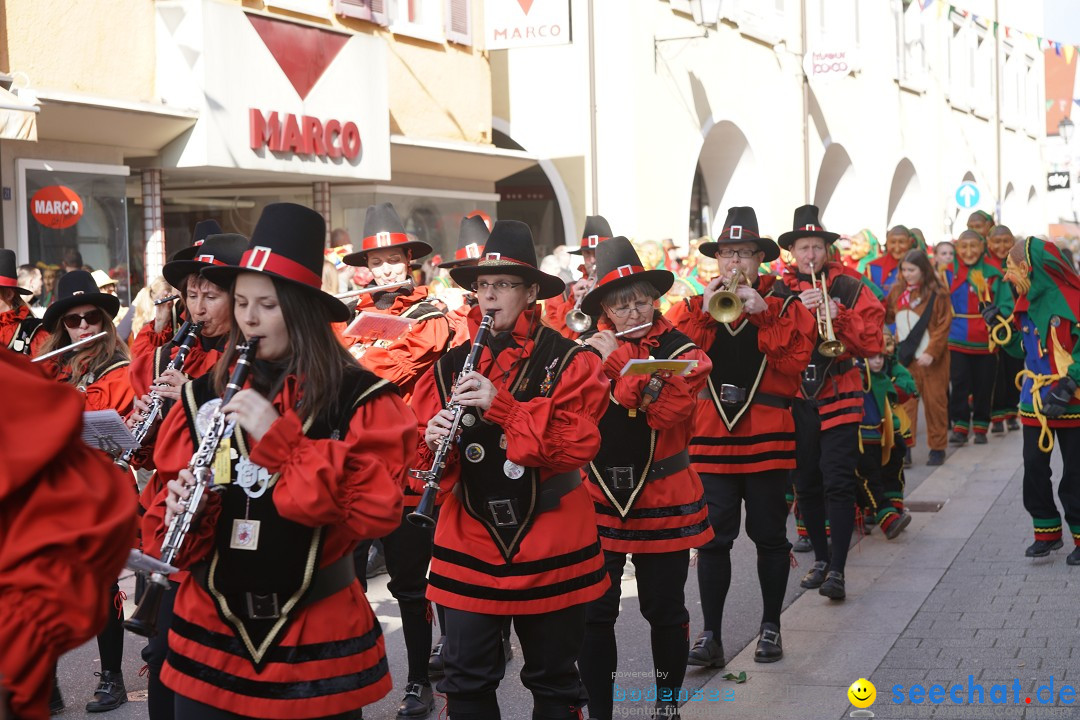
(526, 5)
(303, 53)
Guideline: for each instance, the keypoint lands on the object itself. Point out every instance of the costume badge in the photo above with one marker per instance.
(245, 535)
(468, 419)
(18, 345)
(512, 470)
(1055, 321)
(549, 377)
(255, 479)
(205, 414)
(474, 452)
(502, 441)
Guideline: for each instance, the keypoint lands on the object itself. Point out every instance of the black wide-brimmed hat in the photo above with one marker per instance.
(471, 240)
(618, 265)
(287, 244)
(596, 231)
(9, 277)
(75, 288)
(509, 250)
(807, 224)
(740, 227)
(382, 229)
(223, 249)
(203, 230)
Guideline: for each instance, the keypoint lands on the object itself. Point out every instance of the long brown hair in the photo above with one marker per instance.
(90, 358)
(931, 281)
(318, 359)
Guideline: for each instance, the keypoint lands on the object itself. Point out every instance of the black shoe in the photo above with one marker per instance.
(1012, 424)
(1042, 548)
(376, 561)
(110, 693)
(833, 587)
(998, 427)
(816, 576)
(956, 438)
(508, 651)
(435, 665)
(56, 702)
(667, 710)
(706, 652)
(803, 545)
(418, 702)
(937, 457)
(898, 525)
(769, 646)
(980, 438)
(1074, 557)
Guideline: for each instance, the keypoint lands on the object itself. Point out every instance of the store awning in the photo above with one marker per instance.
(18, 120)
(456, 160)
(141, 129)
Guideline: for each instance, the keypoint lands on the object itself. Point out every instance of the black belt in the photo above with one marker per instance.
(328, 581)
(624, 478)
(505, 512)
(732, 395)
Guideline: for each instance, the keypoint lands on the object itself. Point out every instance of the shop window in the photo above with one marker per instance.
(65, 207)
(422, 19)
(458, 14)
(1031, 97)
(982, 73)
(960, 56)
(911, 64)
(371, 10)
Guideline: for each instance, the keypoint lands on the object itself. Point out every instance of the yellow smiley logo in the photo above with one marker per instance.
(862, 693)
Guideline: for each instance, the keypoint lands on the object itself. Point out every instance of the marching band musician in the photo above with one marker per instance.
(98, 370)
(472, 236)
(596, 231)
(516, 538)
(317, 456)
(210, 304)
(648, 499)
(20, 330)
(387, 251)
(829, 408)
(744, 435)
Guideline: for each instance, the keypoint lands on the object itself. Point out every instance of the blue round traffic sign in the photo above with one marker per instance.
(967, 195)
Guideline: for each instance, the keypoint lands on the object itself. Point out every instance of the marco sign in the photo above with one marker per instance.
(306, 135)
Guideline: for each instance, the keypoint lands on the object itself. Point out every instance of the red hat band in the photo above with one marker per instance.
(5, 281)
(263, 259)
(620, 272)
(812, 228)
(469, 252)
(591, 241)
(383, 239)
(209, 259)
(736, 232)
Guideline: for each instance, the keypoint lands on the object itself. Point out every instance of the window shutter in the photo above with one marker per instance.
(370, 10)
(379, 13)
(458, 16)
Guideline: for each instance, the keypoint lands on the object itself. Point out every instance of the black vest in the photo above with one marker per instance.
(287, 554)
(501, 495)
(628, 444)
(20, 341)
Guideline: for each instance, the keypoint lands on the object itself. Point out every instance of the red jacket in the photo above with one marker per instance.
(554, 434)
(68, 521)
(149, 339)
(670, 513)
(859, 328)
(351, 488)
(9, 326)
(555, 310)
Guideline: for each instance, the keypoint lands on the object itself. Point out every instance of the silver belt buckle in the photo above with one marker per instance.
(502, 512)
(810, 373)
(622, 478)
(262, 607)
(732, 394)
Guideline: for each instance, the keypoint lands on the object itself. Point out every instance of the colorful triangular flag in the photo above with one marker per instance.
(1070, 50)
(1057, 49)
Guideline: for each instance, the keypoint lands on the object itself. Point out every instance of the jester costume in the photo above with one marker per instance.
(1046, 316)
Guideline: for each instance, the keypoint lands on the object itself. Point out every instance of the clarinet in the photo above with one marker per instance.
(144, 620)
(189, 332)
(425, 509)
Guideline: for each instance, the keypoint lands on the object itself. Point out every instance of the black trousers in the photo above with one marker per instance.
(550, 643)
(661, 578)
(971, 375)
(1038, 489)
(825, 462)
(408, 553)
(160, 698)
(881, 487)
(110, 640)
(1006, 395)
(764, 494)
(188, 709)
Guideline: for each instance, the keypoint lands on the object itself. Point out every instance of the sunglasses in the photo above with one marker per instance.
(92, 318)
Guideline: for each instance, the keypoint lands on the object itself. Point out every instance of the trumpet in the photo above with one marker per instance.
(576, 320)
(377, 288)
(423, 516)
(725, 306)
(144, 620)
(830, 347)
(189, 332)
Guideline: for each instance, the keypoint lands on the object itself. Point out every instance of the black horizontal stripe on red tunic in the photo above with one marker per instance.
(853, 410)
(292, 690)
(531, 567)
(761, 438)
(285, 654)
(656, 512)
(742, 459)
(483, 592)
(660, 534)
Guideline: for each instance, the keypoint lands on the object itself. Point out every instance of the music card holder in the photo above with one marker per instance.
(650, 366)
(106, 431)
(372, 326)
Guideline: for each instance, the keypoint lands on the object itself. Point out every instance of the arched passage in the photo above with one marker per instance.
(728, 170)
(907, 205)
(837, 194)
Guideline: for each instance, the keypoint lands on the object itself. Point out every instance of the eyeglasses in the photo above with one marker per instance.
(641, 307)
(729, 253)
(499, 287)
(73, 321)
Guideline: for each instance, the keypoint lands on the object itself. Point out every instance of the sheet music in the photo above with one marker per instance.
(648, 367)
(106, 431)
(372, 326)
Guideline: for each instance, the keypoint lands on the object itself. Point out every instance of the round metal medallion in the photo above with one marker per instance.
(512, 470)
(474, 452)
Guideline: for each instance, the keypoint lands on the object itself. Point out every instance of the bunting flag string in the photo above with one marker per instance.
(1064, 50)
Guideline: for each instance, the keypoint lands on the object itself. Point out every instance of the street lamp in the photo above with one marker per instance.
(1065, 129)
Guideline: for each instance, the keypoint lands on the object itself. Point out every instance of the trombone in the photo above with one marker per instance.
(830, 347)
(577, 320)
(725, 306)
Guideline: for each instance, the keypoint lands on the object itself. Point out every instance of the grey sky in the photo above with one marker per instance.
(1062, 19)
